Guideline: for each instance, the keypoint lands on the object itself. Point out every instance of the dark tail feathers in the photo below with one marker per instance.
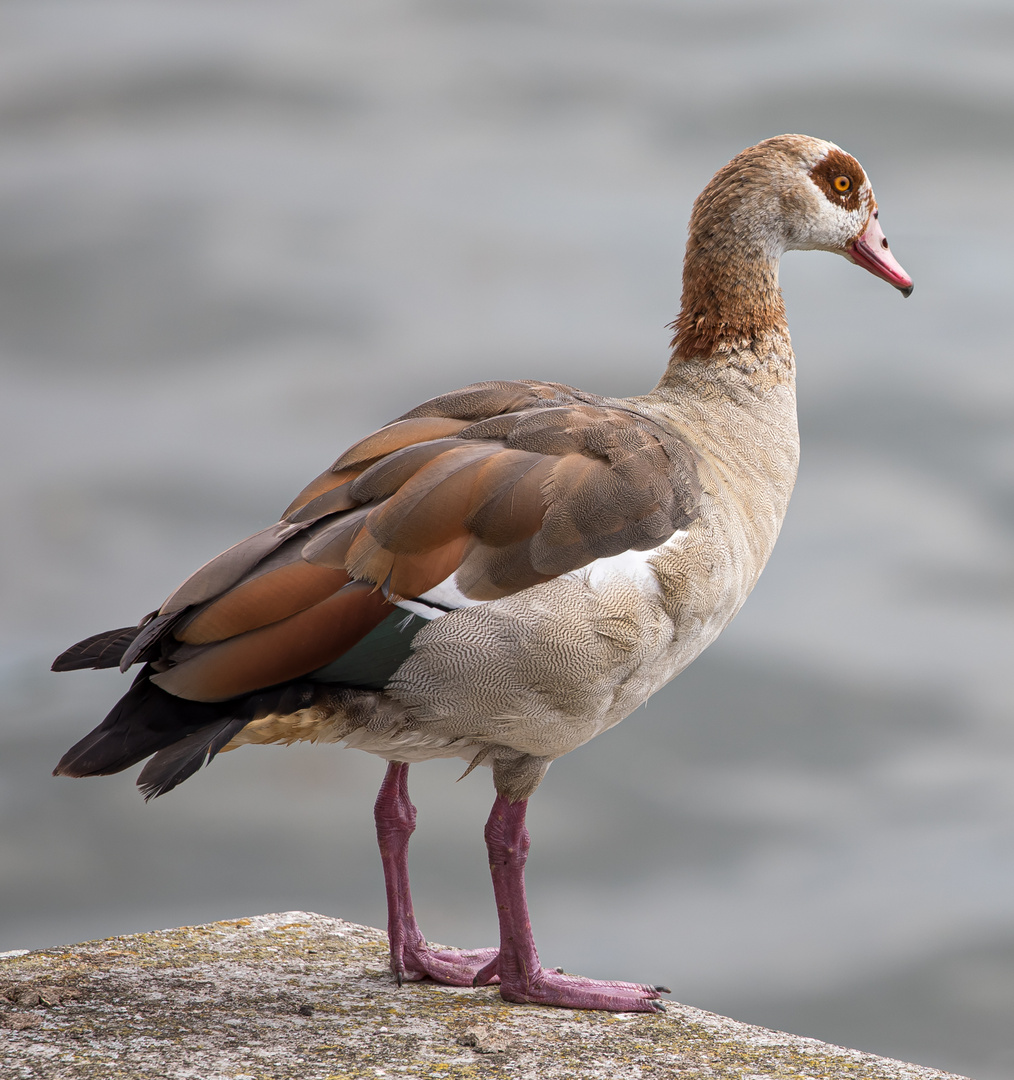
(180, 761)
(144, 721)
(181, 734)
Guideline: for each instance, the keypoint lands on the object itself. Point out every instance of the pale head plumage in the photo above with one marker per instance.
(791, 192)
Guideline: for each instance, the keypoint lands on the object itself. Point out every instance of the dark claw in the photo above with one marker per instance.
(662, 989)
(559, 971)
(658, 1006)
(399, 975)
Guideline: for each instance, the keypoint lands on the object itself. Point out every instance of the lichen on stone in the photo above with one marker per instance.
(306, 997)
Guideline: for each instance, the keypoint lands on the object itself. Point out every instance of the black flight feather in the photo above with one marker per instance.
(180, 761)
(98, 651)
(149, 635)
(180, 733)
(145, 720)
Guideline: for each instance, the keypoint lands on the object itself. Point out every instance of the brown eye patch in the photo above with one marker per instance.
(840, 177)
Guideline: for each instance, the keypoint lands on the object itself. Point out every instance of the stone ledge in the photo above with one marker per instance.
(303, 996)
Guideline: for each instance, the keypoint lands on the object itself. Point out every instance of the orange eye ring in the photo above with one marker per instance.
(842, 184)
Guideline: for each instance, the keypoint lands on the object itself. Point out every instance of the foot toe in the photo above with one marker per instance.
(452, 967)
(550, 987)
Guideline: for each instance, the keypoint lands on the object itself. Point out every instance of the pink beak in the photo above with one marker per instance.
(871, 252)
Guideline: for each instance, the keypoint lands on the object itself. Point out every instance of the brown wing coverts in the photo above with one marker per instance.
(546, 480)
(507, 483)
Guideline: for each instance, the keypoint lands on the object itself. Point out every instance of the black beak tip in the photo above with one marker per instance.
(906, 291)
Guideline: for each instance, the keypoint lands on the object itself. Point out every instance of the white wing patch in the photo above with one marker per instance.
(424, 611)
(634, 566)
(439, 600)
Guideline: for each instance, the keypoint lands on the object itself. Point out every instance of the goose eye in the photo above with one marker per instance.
(842, 184)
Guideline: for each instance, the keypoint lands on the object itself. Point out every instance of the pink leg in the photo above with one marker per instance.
(411, 958)
(522, 977)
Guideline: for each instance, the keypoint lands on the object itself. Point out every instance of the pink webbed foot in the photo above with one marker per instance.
(522, 976)
(552, 987)
(453, 967)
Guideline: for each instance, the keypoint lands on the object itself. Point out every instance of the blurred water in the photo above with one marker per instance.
(236, 236)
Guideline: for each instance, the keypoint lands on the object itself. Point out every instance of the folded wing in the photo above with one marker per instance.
(497, 487)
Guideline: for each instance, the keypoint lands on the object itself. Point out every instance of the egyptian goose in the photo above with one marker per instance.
(510, 569)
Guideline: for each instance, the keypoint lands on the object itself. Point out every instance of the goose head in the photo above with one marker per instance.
(839, 210)
(792, 192)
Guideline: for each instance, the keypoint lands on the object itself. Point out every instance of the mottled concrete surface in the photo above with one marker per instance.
(302, 995)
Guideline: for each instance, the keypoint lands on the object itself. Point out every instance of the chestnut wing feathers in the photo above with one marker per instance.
(544, 481)
(503, 484)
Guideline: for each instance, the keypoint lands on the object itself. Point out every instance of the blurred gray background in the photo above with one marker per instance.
(236, 236)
